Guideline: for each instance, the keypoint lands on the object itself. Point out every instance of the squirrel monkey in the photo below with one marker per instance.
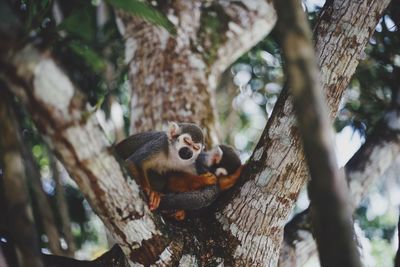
(221, 166)
(161, 152)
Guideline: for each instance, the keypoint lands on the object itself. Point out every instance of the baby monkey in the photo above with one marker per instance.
(220, 166)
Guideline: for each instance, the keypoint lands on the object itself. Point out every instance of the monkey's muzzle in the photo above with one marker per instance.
(185, 153)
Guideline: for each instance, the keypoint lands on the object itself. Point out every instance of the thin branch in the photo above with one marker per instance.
(62, 207)
(45, 210)
(328, 190)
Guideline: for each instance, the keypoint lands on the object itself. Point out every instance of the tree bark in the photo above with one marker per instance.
(275, 173)
(59, 112)
(18, 215)
(331, 215)
(173, 77)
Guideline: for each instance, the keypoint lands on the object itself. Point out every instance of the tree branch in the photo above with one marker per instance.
(62, 207)
(328, 190)
(59, 112)
(45, 210)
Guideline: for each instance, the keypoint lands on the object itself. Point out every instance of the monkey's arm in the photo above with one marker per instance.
(186, 182)
(227, 181)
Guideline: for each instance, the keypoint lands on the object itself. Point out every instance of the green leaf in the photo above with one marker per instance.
(80, 23)
(144, 11)
(92, 59)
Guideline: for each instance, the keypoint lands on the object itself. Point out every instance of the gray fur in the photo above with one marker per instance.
(130, 145)
(150, 148)
(189, 200)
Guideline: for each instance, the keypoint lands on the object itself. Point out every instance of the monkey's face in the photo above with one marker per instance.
(187, 149)
(222, 160)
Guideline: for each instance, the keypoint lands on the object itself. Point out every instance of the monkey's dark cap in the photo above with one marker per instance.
(195, 131)
(230, 159)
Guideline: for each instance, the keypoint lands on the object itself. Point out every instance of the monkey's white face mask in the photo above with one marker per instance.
(185, 148)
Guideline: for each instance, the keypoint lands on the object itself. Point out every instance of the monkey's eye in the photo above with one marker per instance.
(187, 141)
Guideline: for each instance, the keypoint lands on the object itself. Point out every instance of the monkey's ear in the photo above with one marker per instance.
(173, 130)
(215, 156)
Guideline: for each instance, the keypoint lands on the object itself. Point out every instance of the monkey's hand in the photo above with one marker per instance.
(227, 181)
(179, 215)
(154, 198)
(207, 179)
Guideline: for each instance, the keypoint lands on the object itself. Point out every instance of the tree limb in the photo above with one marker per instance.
(45, 210)
(328, 191)
(59, 112)
(62, 207)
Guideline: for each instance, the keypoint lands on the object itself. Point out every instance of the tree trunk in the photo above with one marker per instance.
(173, 77)
(72, 132)
(18, 215)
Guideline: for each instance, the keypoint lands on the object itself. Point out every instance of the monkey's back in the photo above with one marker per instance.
(141, 143)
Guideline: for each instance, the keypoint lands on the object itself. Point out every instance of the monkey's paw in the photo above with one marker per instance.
(154, 199)
(180, 215)
(208, 178)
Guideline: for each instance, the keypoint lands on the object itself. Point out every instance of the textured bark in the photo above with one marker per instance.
(59, 112)
(19, 218)
(368, 164)
(173, 77)
(331, 215)
(276, 172)
(62, 208)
